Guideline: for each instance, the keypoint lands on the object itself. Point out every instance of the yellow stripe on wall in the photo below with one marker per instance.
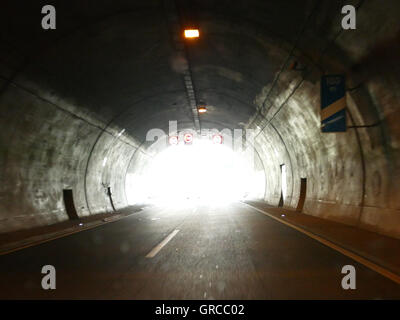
(333, 108)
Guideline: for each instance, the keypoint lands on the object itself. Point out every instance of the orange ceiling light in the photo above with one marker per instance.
(191, 33)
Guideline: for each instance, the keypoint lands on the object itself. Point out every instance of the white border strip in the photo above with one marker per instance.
(369, 264)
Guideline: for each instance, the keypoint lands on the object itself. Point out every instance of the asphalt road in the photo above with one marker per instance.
(230, 252)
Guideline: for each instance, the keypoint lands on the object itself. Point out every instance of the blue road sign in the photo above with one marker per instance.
(333, 103)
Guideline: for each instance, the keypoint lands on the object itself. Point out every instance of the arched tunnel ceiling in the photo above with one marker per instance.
(117, 59)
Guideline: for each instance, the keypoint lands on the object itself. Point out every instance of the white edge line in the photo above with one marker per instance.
(158, 247)
(62, 234)
(367, 263)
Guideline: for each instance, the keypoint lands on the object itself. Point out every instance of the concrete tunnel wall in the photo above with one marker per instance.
(351, 177)
(49, 143)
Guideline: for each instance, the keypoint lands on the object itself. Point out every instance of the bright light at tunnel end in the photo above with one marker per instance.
(207, 167)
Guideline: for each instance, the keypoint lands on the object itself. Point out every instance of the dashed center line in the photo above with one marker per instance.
(158, 247)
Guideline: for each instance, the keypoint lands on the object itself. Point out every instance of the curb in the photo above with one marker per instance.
(39, 239)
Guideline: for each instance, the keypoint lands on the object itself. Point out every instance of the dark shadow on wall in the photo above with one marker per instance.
(303, 193)
(69, 204)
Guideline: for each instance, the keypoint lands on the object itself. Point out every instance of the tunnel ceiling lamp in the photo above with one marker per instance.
(217, 139)
(188, 138)
(191, 33)
(202, 109)
(173, 140)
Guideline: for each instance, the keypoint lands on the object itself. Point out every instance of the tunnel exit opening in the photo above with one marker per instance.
(69, 204)
(201, 172)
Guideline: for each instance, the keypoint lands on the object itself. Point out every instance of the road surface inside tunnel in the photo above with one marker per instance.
(189, 252)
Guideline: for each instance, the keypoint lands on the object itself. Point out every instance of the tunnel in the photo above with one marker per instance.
(118, 132)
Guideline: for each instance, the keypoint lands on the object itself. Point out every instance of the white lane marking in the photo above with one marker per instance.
(364, 261)
(158, 247)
